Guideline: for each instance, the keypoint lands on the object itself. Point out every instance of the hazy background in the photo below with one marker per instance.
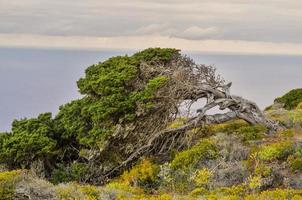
(33, 81)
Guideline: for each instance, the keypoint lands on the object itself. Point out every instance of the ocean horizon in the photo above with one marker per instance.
(34, 81)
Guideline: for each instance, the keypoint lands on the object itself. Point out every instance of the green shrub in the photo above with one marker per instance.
(7, 184)
(203, 176)
(291, 99)
(276, 194)
(276, 151)
(76, 191)
(287, 133)
(68, 173)
(240, 127)
(251, 132)
(295, 163)
(144, 174)
(299, 106)
(228, 127)
(31, 139)
(204, 150)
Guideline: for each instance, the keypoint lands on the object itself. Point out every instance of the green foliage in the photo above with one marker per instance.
(299, 106)
(295, 160)
(144, 174)
(203, 176)
(248, 133)
(156, 55)
(291, 99)
(228, 127)
(204, 150)
(72, 172)
(7, 184)
(113, 90)
(245, 131)
(76, 191)
(254, 182)
(287, 133)
(295, 163)
(276, 151)
(152, 86)
(275, 195)
(31, 139)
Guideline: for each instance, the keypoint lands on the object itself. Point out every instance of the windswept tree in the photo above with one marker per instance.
(134, 99)
(129, 103)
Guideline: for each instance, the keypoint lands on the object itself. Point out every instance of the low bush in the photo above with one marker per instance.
(276, 194)
(291, 99)
(203, 176)
(276, 151)
(7, 184)
(251, 132)
(72, 172)
(299, 106)
(76, 191)
(204, 150)
(144, 174)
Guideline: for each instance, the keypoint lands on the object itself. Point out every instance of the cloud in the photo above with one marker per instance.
(196, 33)
(141, 42)
(268, 21)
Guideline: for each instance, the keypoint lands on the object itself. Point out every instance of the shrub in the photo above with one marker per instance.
(276, 194)
(291, 99)
(287, 133)
(276, 151)
(254, 182)
(295, 163)
(72, 172)
(31, 139)
(7, 184)
(198, 192)
(144, 174)
(240, 127)
(263, 170)
(75, 191)
(235, 192)
(228, 127)
(295, 160)
(204, 150)
(202, 176)
(248, 133)
(299, 106)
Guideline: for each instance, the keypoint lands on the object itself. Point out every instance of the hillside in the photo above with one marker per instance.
(127, 139)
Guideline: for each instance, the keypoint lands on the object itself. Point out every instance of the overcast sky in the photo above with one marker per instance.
(229, 26)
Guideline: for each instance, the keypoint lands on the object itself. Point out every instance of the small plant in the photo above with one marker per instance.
(287, 133)
(76, 191)
(276, 151)
(291, 99)
(198, 192)
(72, 172)
(254, 182)
(295, 163)
(202, 177)
(144, 174)
(251, 132)
(263, 170)
(205, 150)
(299, 107)
(7, 184)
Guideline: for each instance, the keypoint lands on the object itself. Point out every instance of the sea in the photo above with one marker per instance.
(34, 81)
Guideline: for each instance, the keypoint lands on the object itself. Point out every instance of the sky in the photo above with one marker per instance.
(220, 26)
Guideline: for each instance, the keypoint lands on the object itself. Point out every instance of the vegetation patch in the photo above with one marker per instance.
(291, 99)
